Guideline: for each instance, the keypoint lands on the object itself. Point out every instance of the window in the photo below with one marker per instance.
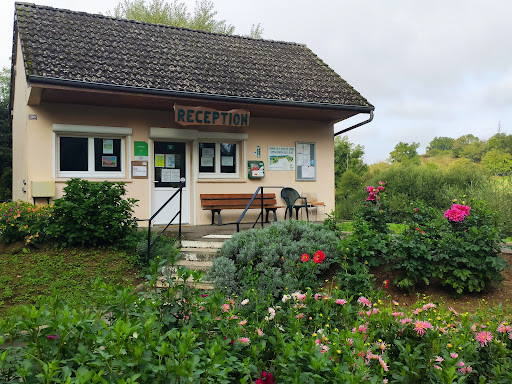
(90, 157)
(219, 160)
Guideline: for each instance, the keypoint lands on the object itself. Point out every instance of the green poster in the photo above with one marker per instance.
(140, 150)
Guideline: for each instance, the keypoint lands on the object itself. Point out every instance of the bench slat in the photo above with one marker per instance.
(221, 196)
(215, 203)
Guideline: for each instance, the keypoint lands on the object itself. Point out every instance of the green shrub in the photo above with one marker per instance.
(22, 221)
(163, 246)
(92, 213)
(463, 254)
(269, 259)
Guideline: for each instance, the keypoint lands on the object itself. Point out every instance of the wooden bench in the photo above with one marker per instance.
(217, 202)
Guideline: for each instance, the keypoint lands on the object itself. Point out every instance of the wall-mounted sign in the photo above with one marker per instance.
(281, 158)
(140, 150)
(207, 116)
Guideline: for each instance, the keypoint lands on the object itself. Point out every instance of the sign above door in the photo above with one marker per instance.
(184, 115)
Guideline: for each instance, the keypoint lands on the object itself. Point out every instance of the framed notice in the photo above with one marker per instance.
(109, 161)
(139, 169)
(306, 162)
(281, 158)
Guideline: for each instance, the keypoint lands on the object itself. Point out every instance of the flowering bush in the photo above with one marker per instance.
(22, 221)
(370, 239)
(290, 254)
(462, 249)
(180, 335)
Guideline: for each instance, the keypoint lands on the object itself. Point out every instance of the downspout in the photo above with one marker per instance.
(356, 125)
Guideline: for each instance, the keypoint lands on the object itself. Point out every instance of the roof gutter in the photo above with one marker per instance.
(43, 80)
(355, 125)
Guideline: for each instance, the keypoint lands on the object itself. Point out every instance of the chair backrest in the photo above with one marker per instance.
(289, 195)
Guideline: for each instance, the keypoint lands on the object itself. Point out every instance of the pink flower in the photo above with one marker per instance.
(454, 355)
(260, 332)
(439, 359)
(341, 301)
(370, 189)
(483, 337)
(244, 340)
(225, 307)
(502, 328)
(421, 327)
(266, 378)
(300, 316)
(364, 301)
(382, 183)
(242, 323)
(244, 302)
(457, 213)
(380, 188)
(272, 314)
(453, 311)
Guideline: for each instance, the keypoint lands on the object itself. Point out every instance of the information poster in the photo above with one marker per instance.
(175, 175)
(281, 158)
(109, 161)
(170, 161)
(159, 160)
(140, 171)
(306, 169)
(108, 146)
(227, 161)
(166, 175)
(206, 161)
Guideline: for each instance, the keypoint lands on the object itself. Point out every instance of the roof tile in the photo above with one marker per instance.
(73, 45)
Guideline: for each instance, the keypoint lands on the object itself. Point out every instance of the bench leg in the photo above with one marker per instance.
(219, 219)
(273, 210)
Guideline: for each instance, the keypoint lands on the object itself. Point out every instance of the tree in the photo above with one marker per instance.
(176, 14)
(500, 141)
(405, 154)
(441, 143)
(463, 141)
(5, 136)
(347, 157)
(497, 162)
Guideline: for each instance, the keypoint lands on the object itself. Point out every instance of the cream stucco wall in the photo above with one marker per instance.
(19, 130)
(35, 152)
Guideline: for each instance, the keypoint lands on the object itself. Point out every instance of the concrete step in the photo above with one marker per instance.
(198, 254)
(196, 265)
(201, 244)
(162, 283)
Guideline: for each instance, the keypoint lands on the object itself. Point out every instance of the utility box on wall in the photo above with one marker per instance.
(256, 169)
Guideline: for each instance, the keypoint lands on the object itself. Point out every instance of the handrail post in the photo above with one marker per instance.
(149, 242)
(181, 199)
(262, 207)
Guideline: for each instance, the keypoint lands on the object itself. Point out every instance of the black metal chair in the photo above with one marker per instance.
(290, 196)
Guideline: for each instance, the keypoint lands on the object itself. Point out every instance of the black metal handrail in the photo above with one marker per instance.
(150, 244)
(260, 188)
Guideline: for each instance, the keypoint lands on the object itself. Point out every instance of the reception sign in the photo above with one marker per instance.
(206, 116)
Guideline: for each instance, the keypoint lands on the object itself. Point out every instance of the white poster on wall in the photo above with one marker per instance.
(281, 158)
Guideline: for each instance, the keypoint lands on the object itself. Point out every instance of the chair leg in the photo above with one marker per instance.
(307, 213)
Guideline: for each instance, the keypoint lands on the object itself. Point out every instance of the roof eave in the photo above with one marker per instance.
(44, 80)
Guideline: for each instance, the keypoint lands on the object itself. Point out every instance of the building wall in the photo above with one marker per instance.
(41, 161)
(19, 130)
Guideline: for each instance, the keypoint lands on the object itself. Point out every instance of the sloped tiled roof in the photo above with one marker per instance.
(69, 45)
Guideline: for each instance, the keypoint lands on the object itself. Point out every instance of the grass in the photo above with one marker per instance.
(25, 275)
(348, 227)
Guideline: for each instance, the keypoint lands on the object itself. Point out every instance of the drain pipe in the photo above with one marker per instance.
(356, 125)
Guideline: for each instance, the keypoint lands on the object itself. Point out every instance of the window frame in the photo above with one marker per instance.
(217, 165)
(91, 172)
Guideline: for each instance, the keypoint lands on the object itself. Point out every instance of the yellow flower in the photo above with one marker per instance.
(448, 345)
(339, 351)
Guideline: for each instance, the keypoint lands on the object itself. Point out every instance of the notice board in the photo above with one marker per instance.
(305, 161)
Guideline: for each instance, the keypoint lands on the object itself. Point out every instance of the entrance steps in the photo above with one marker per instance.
(197, 255)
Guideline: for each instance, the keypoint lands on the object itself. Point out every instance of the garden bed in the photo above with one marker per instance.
(469, 302)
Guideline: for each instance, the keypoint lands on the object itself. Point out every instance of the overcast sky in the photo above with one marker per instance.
(430, 68)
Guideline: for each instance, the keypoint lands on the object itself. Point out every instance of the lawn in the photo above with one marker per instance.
(26, 273)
